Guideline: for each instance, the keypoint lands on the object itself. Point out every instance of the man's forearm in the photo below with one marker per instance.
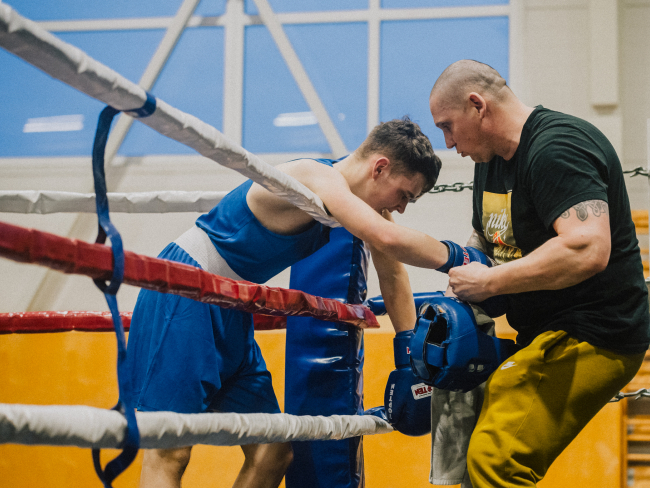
(552, 266)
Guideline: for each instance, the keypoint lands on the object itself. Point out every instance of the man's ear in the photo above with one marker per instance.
(477, 102)
(381, 165)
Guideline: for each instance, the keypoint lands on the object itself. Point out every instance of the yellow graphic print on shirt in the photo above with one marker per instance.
(497, 226)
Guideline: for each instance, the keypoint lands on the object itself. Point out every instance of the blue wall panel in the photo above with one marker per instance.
(270, 90)
(413, 54)
(108, 9)
(211, 7)
(335, 57)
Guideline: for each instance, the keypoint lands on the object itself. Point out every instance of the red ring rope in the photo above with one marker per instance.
(38, 322)
(95, 260)
(33, 322)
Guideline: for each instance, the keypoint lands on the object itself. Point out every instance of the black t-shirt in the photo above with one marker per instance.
(562, 160)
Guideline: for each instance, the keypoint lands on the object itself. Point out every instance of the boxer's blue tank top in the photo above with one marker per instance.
(250, 249)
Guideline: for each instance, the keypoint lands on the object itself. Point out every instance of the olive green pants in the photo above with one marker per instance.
(537, 402)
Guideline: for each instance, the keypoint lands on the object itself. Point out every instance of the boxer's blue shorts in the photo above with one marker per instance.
(190, 357)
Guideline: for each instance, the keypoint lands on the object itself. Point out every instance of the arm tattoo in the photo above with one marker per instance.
(598, 208)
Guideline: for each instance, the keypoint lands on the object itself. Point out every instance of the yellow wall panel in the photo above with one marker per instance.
(79, 368)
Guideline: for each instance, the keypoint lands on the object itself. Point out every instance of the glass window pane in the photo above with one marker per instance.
(209, 8)
(414, 53)
(191, 81)
(438, 3)
(308, 5)
(335, 57)
(94, 9)
(28, 93)
(276, 116)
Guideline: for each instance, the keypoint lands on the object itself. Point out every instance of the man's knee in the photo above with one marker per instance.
(171, 460)
(485, 462)
(475, 455)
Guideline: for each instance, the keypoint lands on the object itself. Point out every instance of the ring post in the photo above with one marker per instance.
(324, 361)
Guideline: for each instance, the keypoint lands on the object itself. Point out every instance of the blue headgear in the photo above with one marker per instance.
(449, 351)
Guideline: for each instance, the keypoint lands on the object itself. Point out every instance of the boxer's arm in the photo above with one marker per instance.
(580, 250)
(395, 288)
(402, 243)
(407, 245)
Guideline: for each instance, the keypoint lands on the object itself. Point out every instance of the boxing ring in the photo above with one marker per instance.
(96, 428)
(120, 428)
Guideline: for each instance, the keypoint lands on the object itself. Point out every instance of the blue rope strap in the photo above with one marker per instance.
(106, 229)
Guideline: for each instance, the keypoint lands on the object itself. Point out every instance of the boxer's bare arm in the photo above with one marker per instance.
(395, 289)
(406, 245)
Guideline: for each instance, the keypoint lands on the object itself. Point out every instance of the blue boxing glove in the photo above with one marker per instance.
(459, 256)
(407, 400)
(493, 307)
(378, 307)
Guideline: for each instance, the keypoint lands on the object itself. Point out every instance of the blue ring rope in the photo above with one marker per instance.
(131, 443)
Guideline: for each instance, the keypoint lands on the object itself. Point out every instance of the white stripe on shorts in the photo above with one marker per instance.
(198, 245)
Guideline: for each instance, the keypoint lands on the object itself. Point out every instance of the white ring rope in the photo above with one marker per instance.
(72, 66)
(47, 202)
(83, 426)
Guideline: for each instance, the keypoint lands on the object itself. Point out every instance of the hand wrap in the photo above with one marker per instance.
(460, 256)
(495, 306)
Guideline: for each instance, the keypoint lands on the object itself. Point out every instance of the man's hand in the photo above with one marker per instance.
(470, 282)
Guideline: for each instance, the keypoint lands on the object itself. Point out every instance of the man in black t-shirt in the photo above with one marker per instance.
(551, 208)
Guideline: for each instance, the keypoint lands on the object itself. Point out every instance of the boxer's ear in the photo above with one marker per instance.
(381, 164)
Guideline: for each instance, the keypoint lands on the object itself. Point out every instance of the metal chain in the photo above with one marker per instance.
(636, 172)
(642, 393)
(456, 187)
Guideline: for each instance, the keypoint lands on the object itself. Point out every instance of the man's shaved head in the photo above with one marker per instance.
(465, 76)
